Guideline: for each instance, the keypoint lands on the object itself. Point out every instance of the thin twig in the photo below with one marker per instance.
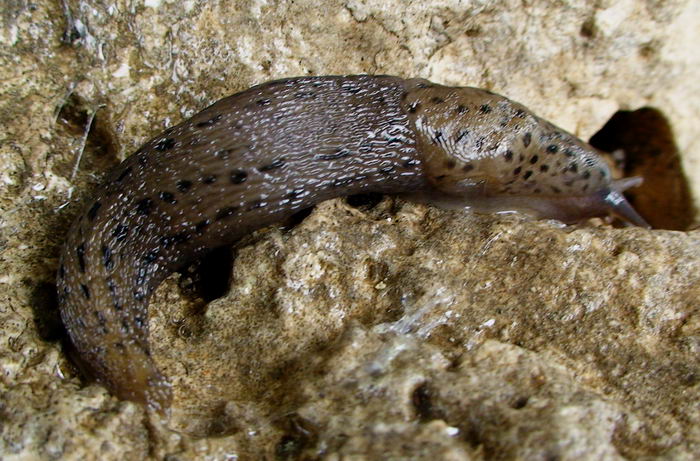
(83, 142)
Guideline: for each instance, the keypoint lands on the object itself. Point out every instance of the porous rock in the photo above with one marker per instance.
(384, 330)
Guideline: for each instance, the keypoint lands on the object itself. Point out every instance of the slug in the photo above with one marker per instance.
(258, 156)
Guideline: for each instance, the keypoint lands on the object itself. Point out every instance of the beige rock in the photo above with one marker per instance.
(384, 331)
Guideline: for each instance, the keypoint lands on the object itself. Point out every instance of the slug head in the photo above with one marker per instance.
(484, 151)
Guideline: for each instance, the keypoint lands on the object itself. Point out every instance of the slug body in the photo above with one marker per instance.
(256, 157)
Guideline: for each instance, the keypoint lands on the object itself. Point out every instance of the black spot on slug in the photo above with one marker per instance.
(527, 174)
(141, 323)
(151, 256)
(225, 212)
(340, 153)
(164, 144)
(508, 155)
(256, 205)
(413, 108)
(341, 182)
(552, 148)
(437, 100)
(92, 214)
(62, 271)
(573, 167)
(351, 88)
(304, 94)
(120, 232)
(141, 275)
(534, 159)
(586, 174)
(437, 137)
(485, 109)
(86, 291)
(461, 135)
(144, 206)
(277, 163)
(294, 193)
(467, 168)
(527, 138)
(589, 162)
(365, 147)
(201, 226)
(223, 154)
(211, 179)
(517, 171)
(181, 237)
(461, 109)
(124, 174)
(80, 251)
(263, 102)
(544, 168)
(107, 258)
(209, 122)
(167, 197)
(449, 164)
(111, 286)
(183, 185)
(238, 176)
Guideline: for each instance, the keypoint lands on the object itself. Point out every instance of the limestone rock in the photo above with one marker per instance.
(372, 329)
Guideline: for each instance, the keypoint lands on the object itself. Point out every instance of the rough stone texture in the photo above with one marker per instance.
(384, 331)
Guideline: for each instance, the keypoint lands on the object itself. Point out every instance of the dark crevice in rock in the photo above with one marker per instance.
(364, 201)
(643, 144)
(421, 400)
(100, 148)
(297, 218)
(299, 435)
(44, 304)
(209, 278)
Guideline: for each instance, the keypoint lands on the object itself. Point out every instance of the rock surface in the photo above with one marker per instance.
(372, 329)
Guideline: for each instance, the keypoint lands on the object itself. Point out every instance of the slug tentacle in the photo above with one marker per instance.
(618, 204)
(259, 156)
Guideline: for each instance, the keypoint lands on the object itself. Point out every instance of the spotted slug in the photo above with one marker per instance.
(258, 156)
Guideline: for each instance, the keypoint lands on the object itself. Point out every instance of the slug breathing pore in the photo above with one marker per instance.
(256, 157)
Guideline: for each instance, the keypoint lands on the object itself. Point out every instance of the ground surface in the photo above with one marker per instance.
(374, 328)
